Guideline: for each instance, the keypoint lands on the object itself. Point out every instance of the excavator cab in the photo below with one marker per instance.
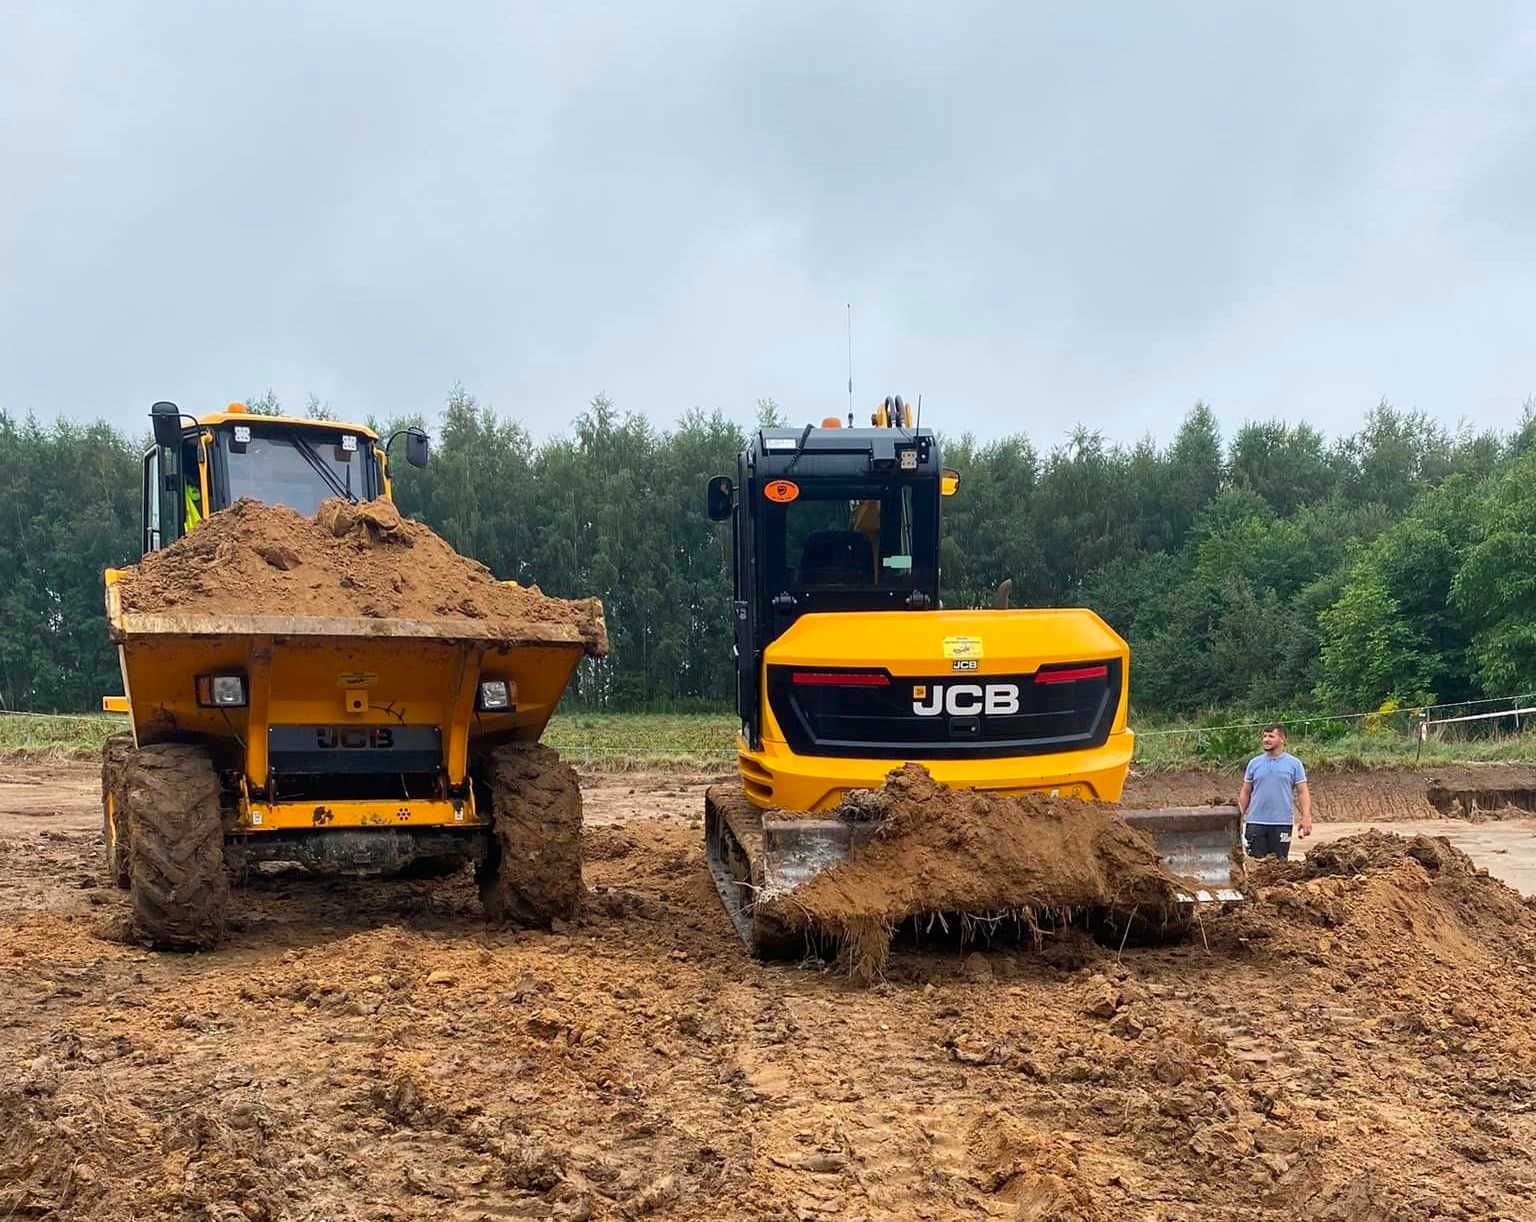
(827, 521)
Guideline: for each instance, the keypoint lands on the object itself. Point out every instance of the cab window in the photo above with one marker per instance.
(851, 539)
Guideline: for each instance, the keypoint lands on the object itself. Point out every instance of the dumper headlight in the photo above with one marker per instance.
(221, 691)
(495, 695)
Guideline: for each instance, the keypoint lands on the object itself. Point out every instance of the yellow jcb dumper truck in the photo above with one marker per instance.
(347, 745)
(848, 665)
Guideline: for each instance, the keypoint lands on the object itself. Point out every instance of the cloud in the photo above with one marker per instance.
(1040, 216)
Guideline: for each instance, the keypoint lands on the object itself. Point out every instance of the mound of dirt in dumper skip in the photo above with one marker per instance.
(351, 560)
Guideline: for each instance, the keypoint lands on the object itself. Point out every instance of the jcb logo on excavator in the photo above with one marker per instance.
(965, 699)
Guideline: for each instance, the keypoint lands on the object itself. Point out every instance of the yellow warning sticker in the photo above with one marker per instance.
(962, 647)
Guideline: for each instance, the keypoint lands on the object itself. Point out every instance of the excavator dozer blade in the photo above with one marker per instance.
(754, 859)
(1202, 845)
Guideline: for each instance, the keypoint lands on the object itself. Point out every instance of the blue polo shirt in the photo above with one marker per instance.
(1274, 781)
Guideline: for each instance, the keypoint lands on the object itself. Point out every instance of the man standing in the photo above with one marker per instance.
(1272, 784)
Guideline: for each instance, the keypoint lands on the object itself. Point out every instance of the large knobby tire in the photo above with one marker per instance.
(532, 872)
(114, 820)
(180, 891)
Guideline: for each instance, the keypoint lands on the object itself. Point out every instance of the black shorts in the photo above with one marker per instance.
(1268, 840)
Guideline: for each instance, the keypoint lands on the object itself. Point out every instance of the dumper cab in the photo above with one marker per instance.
(199, 465)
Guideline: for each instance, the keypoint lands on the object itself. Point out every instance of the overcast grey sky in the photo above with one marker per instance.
(1042, 214)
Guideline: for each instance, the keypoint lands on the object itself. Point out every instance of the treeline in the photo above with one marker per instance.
(1277, 570)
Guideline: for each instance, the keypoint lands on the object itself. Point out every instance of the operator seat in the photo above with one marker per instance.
(837, 558)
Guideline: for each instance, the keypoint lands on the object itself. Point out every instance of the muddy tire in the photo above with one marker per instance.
(114, 820)
(180, 890)
(532, 872)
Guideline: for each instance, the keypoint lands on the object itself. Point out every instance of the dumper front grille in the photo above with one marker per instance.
(312, 761)
(873, 714)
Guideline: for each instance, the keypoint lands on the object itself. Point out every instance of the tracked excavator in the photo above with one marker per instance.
(355, 747)
(848, 665)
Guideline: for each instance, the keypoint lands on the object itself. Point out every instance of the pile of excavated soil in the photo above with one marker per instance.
(982, 856)
(1391, 897)
(348, 560)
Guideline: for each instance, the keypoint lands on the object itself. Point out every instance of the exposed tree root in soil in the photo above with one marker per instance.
(980, 861)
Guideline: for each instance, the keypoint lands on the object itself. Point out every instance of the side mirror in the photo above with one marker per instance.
(720, 493)
(166, 419)
(417, 448)
(949, 481)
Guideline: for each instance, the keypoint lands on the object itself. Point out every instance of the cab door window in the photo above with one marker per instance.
(152, 500)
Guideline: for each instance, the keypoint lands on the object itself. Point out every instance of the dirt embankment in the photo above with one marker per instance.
(1397, 794)
(937, 851)
(348, 560)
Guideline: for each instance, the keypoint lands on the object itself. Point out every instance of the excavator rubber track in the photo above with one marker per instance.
(755, 857)
(733, 848)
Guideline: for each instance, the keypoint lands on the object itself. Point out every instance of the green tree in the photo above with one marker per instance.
(1287, 465)
(1370, 652)
(1396, 456)
(69, 509)
(988, 531)
(264, 404)
(1495, 585)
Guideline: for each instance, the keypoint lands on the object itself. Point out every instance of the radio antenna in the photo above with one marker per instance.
(919, 423)
(850, 364)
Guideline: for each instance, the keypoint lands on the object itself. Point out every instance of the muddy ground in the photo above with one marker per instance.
(1357, 1046)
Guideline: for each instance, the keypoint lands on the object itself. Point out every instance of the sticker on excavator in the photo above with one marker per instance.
(781, 491)
(357, 678)
(957, 647)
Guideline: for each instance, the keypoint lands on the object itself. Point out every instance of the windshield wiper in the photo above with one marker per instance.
(323, 468)
(799, 450)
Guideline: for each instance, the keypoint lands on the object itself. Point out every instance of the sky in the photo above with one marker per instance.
(1042, 215)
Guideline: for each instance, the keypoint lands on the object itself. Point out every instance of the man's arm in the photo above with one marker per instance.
(1243, 796)
(1304, 801)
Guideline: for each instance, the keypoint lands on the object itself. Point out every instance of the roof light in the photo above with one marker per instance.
(242, 434)
(234, 409)
(1072, 674)
(348, 442)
